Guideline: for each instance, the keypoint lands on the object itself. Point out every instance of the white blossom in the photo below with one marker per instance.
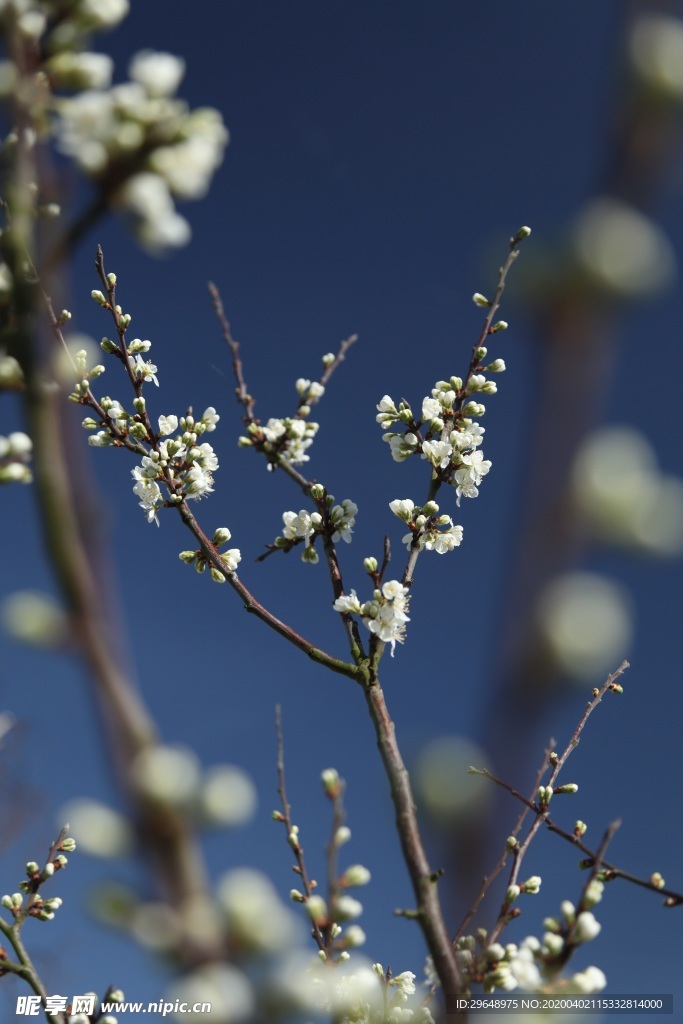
(158, 73)
(438, 452)
(143, 370)
(167, 425)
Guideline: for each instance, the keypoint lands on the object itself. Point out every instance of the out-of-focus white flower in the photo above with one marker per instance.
(228, 796)
(158, 73)
(99, 830)
(254, 913)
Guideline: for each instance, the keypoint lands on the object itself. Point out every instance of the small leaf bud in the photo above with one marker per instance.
(480, 300)
(98, 297)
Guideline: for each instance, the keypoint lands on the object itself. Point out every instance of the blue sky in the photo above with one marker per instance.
(380, 157)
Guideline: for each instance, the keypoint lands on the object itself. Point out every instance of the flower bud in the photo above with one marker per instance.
(296, 896)
(553, 943)
(317, 492)
(317, 909)
(32, 868)
(216, 575)
(523, 233)
(187, 557)
(657, 880)
(586, 927)
(568, 787)
(328, 358)
(48, 870)
(532, 885)
(221, 536)
(480, 300)
(355, 875)
(332, 784)
(342, 835)
(370, 565)
(354, 936)
(98, 297)
(111, 280)
(497, 366)
(124, 321)
(107, 345)
(512, 893)
(580, 828)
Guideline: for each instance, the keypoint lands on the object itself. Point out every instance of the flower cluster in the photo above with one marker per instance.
(536, 964)
(138, 133)
(183, 465)
(230, 558)
(306, 526)
(285, 439)
(427, 528)
(15, 453)
(384, 615)
(447, 434)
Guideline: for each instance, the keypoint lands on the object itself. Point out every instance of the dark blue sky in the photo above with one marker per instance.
(380, 156)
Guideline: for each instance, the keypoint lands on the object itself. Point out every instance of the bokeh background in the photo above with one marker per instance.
(380, 157)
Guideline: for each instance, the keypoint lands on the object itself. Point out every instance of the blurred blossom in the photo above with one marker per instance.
(156, 926)
(445, 789)
(623, 496)
(167, 774)
(160, 74)
(256, 917)
(228, 796)
(586, 624)
(622, 251)
(98, 829)
(225, 987)
(656, 50)
(34, 618)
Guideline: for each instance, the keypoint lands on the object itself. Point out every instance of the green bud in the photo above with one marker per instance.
(328, 358)
(317, 492)
(370, 565)
(139, 404)
(89, 423)
(296, 896)
(580, 828)
(111, 280)
(480, 300)
(32, 868)
(139, 431)
(216, 575)
(523, 233)
(107, 345)
(187, 557)
(98, 297)
(221, 536)
(569, 787)
(502, 325)
(430, 509)
(332, 784)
